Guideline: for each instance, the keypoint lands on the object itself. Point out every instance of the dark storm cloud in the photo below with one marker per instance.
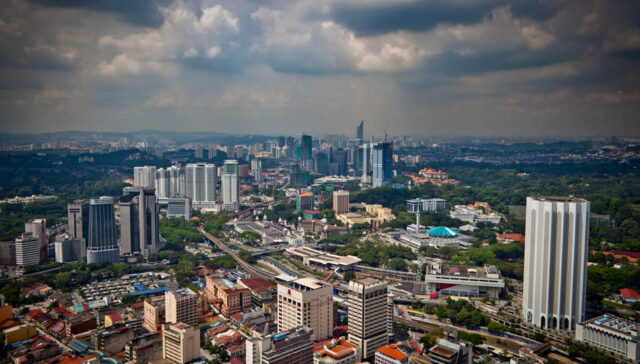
(138, 12)
(368, 19)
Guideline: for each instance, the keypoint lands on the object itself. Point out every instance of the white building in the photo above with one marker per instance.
(163, 183)
(306, 302)
(458, 280)
(230, 196)
(426, 205)
(144, 176)
(69, 249)
(179, 207)
(612, 334)
(555, 261)
(27, 250)
(474, 215)
(201, 184)
(368, 310)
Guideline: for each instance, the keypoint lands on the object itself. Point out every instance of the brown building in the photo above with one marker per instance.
(80, 323)
(341, 202)
(180, 306)
(154, 313)
(234, 297)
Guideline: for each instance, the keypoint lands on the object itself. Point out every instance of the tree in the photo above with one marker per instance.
(349, 275)
(128, 299)
(398, 264)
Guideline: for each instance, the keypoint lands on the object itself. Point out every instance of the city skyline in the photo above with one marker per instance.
(488, 68)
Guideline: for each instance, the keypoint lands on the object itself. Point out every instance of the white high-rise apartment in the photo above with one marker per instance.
(230, 197)
(144, 176)
(27, 250)
(368, 315)
(306, 302)
(555, 261)
(163, 183)
(201, 184)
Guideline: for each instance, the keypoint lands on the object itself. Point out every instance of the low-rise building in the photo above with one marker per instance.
(235, 297)
(80, 323)
(179, 207)
(112, 340)
(466, 281)
(337, 351)
(448, 352)
(390, 354)
(612, 334)
(322, 260)
(290, 346)
(262, 291)
(154, 313)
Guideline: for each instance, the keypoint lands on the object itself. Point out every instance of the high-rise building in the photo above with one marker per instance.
(230, 197)
(102, 244)
(341, 201)
(306, 302)
(177, 181)
(365, 162)
(321, 163)
(78, 219)
(201, 184)
(179, 207)
(293, 346)
(368, 312)
(304, 201)
(163, 183)
(381, 163)
(69, 250)
(38, 227)
(144, 176)
(154, 313)
(180, 343)
(338, 165)
(306, 150)
(8, 253)
(555, 261)
(360, 131)
(181, 307)
(139, 223)
(27, 250)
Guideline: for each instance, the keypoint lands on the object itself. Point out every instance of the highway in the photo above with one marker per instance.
(253, 270)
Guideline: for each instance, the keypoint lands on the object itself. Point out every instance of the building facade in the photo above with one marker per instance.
(368, 310)
(611, 334)
(38, 227)
(555, 261)
(27, 249)
(234, 297)
(341, 201)
(230, 186)
(179, 207)
(144, 176)
(180, 343)
(293, 346)
(69, 250)
(102, 244)
(139, 223)
(381, 163)
(181, 307)
(201, 180)
(304, 201)
(306, 302)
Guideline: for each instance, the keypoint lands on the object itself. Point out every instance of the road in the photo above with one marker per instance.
(253, 270)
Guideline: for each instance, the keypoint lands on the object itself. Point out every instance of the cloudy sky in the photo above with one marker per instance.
(454, 67)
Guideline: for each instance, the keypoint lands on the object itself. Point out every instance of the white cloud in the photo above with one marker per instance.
(213, 52)
(120, 65)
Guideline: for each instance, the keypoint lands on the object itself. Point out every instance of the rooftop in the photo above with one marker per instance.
(392, 351)
(617, 324)
(558, 199)
(443, 232)
(323, 257)
(257, 284)
(488, 271)
(306, 284)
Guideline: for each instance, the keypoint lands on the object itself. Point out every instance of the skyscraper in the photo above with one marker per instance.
(102, 243)
(360, 131)
(144, 176)
(365, 162)
(306, 156)
(27, 250)
(180, 343)
(230, 197)
(368, 315)
(163, 183)
(139, 223)
(201, 184)
(381, 163)
(78, 219)
(38, 227)
(306, 302)
(555, 261)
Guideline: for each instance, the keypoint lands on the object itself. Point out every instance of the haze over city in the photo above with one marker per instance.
(487, 68)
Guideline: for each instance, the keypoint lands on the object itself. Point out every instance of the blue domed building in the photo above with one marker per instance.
(443, 232)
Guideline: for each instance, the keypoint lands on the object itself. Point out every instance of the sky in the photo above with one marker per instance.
(405, 67)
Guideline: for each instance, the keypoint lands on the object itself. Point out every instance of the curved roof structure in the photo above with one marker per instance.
(443, 232)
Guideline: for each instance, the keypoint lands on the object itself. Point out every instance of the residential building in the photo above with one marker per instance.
(79, 323)
(307, 302)
(390, 355)
(111, 340)
(69, 250)
(234, 297)
(201, 180)
(381, 163)
(340, 201)
(230, 186)
(38, 227)
(144, 176)
(293, 346)
(304, 201)
(368, 310)
(154, 313)
(555, 261)
(337, 351)
(27, 249)
(179, 207)
(181, 307)
(163, 183)
(8, 253)
(139, 223)
(144, 349)
(180, 342)
(611, 334)
(102, 243)
(457, 280)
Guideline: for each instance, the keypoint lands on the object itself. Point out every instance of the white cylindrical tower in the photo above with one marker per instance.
(555, 261)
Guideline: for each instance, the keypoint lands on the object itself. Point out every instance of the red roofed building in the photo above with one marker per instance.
(261, 290)
(235, 297)
(633, 257)
(336, 351)
(507, 238)
(390, 355)
(629, 295)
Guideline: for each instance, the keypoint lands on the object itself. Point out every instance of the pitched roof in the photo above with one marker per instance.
(628, 292)
(257, 284)
(392, 351)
